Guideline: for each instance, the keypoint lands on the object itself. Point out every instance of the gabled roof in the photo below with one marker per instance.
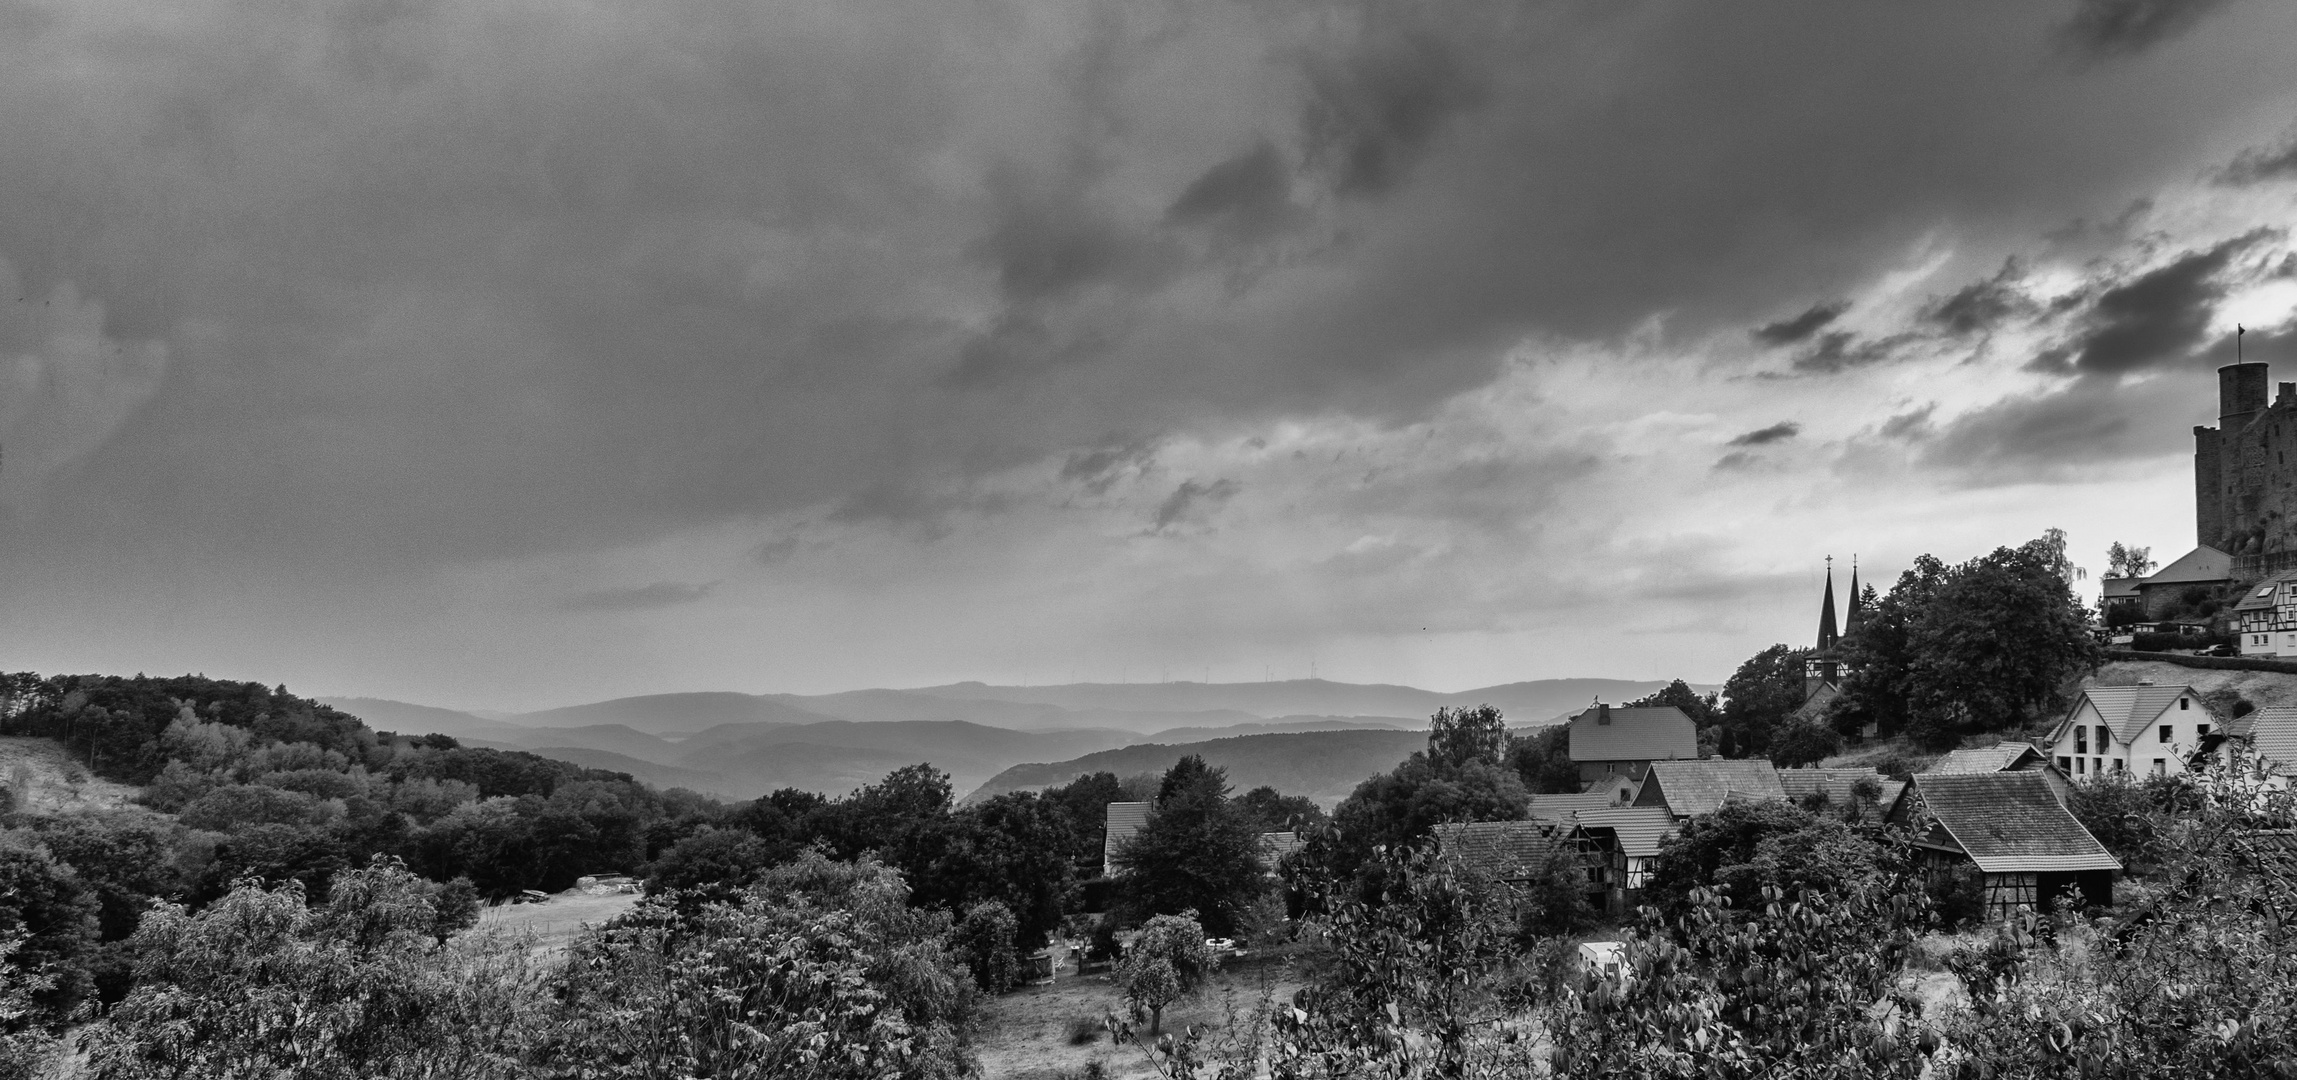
(2261, 595)
(2009, 822)
(2273, 736)
(2202, 564)
(1655, 733)
(2000, 757)
(1561, 807)
(1837, 783)
(2129, 709)
(1691, 788)
(2119, 588)
(1503, 850)
(1638, 829)
(1122, 821)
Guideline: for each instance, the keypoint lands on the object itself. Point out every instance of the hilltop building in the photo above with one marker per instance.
(1824, 666)
(1609, 742)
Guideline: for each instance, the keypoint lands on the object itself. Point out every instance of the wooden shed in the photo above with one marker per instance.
(2031, 851)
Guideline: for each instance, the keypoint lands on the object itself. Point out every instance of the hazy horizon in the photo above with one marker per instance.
(498, 356)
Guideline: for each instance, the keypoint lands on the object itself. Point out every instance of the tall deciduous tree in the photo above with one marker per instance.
(1459, 736)
(1765, 689)
(1703, 709)
(2128, 562)
(1197, 852)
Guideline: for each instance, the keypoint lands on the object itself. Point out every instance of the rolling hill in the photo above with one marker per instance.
(1323, 765)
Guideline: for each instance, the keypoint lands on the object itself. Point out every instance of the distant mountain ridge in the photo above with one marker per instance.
(743, 745)
(1323, 765)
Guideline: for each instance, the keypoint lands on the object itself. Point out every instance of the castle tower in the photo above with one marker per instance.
(2228, 461)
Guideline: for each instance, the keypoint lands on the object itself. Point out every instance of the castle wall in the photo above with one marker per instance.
(2252, 506)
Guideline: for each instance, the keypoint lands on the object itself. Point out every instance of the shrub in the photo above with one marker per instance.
(1168, 961)
(1085, 1030)
(983, 940)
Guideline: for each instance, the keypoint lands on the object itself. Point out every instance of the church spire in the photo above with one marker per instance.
(1855, 614)
(1826, 632)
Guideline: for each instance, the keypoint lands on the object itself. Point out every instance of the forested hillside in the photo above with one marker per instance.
(1323, 765)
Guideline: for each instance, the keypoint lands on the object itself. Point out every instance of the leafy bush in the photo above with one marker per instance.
(1168, 961)
(819, 970)
(983, 940)
(1745, 847)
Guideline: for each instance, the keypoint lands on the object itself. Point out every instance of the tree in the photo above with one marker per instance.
(2128, 562)
(1197, 852)
(262, 984)
(983, 941)
(1766, 689)
(819, 970)
(1800, 742)
(1744, 847)
(50, 914)
(1168, 960)
(1459, 736)
(1701, 708)
(1996, 645)
(712, 863)
(1271, 810)
(1012, 849)
(1407, 803)
(1542, 761)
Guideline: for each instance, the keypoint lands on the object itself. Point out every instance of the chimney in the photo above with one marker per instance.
(2288, 395)
(1602, 713)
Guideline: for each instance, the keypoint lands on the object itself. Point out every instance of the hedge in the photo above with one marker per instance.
(2221, 663)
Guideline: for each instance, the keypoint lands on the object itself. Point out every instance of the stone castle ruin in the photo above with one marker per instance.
(2245, 474)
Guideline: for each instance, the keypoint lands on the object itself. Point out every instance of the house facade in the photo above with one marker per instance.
(1628, 839)
(2266, 617)
(1607, 741)
(2148, 730)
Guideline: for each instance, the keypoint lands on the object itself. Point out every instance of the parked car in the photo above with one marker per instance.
(2219, 649)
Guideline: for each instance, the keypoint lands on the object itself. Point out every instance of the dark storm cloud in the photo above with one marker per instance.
(428, 283)
(2107, 28)
(2088, 424)
(660, 594)
(2259, 164)
(1840, 350)
(2159, 317)
(1981, 306)
(1191, 501)
(1789, 331)
(1373, 113)
(1779, 432)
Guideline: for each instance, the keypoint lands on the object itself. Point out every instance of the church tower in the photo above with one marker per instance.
(1827, 637)
(1822, 666)
(1855, 616)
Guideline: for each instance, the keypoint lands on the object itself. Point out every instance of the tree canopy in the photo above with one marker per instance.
(1197, 852)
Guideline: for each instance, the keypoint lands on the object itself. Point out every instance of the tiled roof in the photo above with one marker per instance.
(2260, 595)
(1999, 757)
(2203, 563)
(1503, 850)
(2120, 588)
(1658, 733)
(2273, 735)
(2130, 709)
(1691, 788)
(1560, 807)
(1837, 783)
(2009, 822)
(1123, 820)
(1638, 828)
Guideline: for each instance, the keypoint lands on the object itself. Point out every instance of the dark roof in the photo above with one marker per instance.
(1691, 788)
(2009, 822)
(1656, 733)
(1503, 850)
(1826, 634)
(1561, 807)
(2260, 596)
(2273, 736)
(2119, 588)
(1637, 829)
(2000, 757)
(1122, 821)
(1837, 783)
(2202, 564)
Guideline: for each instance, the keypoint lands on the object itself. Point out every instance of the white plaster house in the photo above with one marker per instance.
(2148, 730)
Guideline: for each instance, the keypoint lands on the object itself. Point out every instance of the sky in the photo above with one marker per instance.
(513, 354)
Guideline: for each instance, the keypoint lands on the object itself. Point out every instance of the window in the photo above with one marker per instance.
(2165, 734)
(2120, 765)
(2081, 739)
(2158, 768)
(2065, 764)
(2187, 703)
(2200, 732)
(2081, 764)
(2104, 740)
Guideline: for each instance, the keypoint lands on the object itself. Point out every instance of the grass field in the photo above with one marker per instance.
(1025, 1035)
(555, 922)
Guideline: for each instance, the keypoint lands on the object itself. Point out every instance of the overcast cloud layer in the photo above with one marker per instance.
(514, 354)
